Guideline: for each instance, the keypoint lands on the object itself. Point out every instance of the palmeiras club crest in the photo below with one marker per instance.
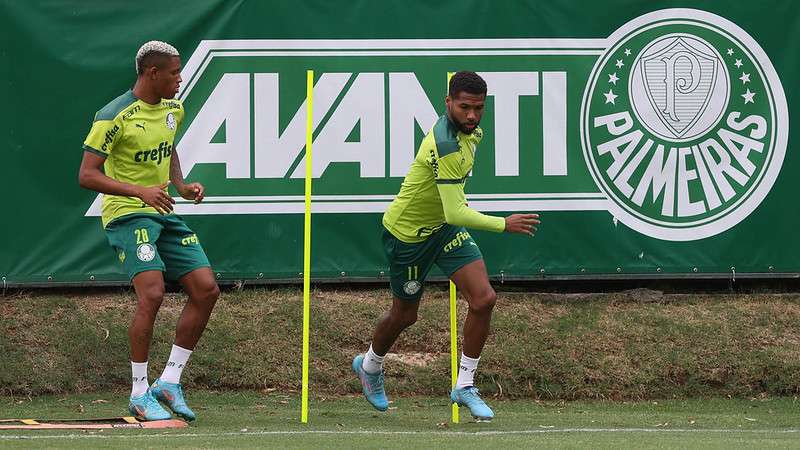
(684, 124)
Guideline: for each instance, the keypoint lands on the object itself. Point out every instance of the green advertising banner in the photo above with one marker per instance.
(651, 136)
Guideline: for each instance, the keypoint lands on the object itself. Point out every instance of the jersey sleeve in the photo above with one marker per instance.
(447, 169)
(103, 136)
(450, 183)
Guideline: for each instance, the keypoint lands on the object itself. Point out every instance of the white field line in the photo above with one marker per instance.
(408, 433)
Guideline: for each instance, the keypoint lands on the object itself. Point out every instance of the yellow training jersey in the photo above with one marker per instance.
(432, 193)
(137, 140)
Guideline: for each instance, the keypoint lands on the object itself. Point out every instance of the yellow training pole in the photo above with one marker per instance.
(453, 346)
(307, 243)
(453, 327)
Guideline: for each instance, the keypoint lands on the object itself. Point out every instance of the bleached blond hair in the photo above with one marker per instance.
(153, 48)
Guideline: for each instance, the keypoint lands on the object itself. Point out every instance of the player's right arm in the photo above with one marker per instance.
(98, 145)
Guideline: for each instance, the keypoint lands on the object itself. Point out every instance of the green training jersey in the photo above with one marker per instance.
(136, 139)
(432, 192)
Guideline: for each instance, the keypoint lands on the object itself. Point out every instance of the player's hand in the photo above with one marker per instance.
(157, 197)
(522, 223)
(193, 191)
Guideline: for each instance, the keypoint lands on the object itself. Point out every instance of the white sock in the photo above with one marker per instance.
(140, 383)
(466, 371)
(177, 361)
(373, 363)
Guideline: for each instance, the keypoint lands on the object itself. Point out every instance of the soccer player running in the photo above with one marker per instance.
(425, 225)
(130, 156)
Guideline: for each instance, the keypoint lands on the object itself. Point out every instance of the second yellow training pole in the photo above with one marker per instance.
(453, 347)
(453, 326)
(307, 244)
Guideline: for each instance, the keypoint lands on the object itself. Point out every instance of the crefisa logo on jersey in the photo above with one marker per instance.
(684, 124)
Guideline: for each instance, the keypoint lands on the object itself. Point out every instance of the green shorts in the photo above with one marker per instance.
(155, 242)
(450, 248)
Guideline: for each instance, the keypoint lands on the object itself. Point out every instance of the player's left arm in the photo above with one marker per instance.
(457, 212)
(190, 191)
(450, 184)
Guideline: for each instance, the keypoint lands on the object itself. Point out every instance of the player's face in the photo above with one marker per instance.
(168, 78)
(465, 110)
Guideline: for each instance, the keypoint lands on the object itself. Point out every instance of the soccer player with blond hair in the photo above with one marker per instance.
(131, 158)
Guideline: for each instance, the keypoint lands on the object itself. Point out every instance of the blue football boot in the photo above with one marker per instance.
(371, 385)
(146, 407)
(468, 396)
(171, 394)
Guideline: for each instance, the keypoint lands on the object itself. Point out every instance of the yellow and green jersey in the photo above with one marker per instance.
(432, 193)
(137, 140)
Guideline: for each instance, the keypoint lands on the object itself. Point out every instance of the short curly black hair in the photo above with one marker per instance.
(465, 81)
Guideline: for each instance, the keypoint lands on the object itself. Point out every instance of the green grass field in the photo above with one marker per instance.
(599, 363)
(271, 420)
(634, 345)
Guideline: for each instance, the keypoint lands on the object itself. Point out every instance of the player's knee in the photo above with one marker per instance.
(150, 298)
(404, 319)
(207, 293)
(408, 319)
(212, 293)
(483, 302)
